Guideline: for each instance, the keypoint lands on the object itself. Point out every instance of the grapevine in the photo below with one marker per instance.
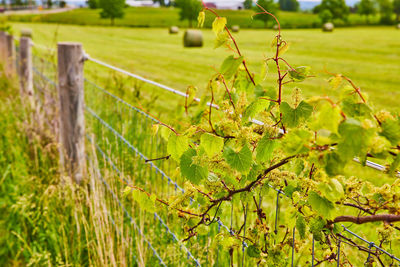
(244, 137)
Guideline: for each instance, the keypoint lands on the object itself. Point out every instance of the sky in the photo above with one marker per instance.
(304, 4)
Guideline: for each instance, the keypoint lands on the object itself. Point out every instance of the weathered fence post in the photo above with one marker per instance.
(72, 121)
(26, 69)
(3, 49)
(10, 55)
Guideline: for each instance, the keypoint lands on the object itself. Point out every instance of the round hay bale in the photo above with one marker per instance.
(26, 33)
(328, 27)
(235, 28)
(173, 30)
(193, 38)
(398, 26)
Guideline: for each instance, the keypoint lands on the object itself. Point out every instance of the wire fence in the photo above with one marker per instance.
(123, 144)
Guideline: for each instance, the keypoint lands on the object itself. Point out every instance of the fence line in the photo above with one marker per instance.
(175, 184)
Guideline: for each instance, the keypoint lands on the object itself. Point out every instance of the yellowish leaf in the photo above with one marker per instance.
(335, 81)
(283, 48)
(154, 129)
(218, 25)
(200, 19)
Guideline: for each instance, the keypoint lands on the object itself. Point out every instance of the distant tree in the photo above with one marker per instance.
(325, 16)
(189, 10)
(93, 4)
(338, 8)
(248, 4)
(386, 11)
(161, 2)
(289, 5)
(396, 9)
(112, 9)
(63, 4)
(268, 5)
(366, 8)
(49, 3)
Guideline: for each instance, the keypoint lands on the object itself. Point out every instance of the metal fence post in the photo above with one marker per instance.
(72, 120)
(10, 55)
(26, 69)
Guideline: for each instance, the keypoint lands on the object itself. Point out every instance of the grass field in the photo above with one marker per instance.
(370, 56)
(165, 17)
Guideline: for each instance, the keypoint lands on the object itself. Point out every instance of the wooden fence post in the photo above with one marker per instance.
(10, 55)
(26, 69)
(3, 49)
(72, 120)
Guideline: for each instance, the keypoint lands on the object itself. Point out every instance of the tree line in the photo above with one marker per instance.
(328, 10)
(331, 10)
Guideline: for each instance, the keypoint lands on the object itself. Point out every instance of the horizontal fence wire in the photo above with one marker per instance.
(175, 184)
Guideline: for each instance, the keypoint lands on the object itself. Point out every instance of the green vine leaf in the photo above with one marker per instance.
(395, 164)
(145, 202)
(328, 118)
(333, 190)
(265, 148)
(320, 204)
(194, 172)
(292, 117)
(253, 251)
(254, 108)
(391, 130)
(301, 226)
(241, 160)
(355, 109)
(177, 144)
(212, 144)
(294, 142)
(316, 227)
(299, 74)
(230, 66)
(349, 146)
(334, 164)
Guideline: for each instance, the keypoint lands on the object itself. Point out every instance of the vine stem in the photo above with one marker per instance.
(276, 58)
(233, 40)
(365, 219)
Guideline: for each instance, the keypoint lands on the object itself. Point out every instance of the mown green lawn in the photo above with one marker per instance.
(165, 17)
(370, 56)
